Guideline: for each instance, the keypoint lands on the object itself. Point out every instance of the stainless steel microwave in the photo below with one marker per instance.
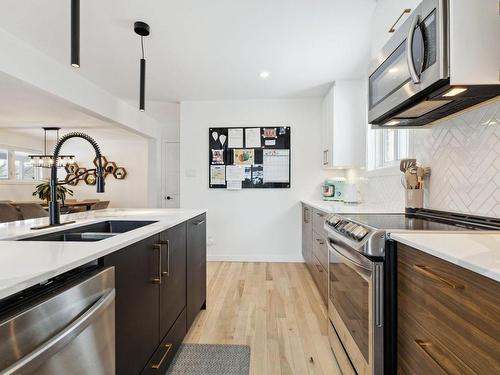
(431, 69)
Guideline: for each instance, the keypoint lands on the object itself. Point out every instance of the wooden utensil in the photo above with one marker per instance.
(411, 177)
(420, 177)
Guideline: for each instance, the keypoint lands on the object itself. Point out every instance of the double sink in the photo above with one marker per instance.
(92, 232)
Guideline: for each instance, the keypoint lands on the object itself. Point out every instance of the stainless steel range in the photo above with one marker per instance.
(362, 282)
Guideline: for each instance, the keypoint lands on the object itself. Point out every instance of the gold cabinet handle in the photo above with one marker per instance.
(393, 27)
(157, 279)
(426, 347)
(320, 214)
(156, 366)
(199, 222)
(427, 271)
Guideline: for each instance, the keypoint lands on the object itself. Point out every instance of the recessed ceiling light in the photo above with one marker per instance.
(264, 75)
(455, 91)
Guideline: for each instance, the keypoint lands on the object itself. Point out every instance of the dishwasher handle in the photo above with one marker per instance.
(52, 346)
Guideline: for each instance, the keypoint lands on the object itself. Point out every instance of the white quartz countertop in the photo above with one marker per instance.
(477, 252)
(27, 263)
(359, 208)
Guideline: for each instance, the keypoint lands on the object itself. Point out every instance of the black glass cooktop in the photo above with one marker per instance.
(425, 220)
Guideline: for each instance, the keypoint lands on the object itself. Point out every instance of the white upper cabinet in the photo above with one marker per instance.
(386, 14)
(344, 123)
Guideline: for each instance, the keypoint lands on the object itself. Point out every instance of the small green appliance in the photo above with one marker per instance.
(333, 190)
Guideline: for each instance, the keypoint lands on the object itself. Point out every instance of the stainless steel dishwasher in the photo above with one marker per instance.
(66, 326)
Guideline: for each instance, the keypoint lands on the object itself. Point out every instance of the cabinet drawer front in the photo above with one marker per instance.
(318, 219)
(320, 276)
(419, 352)
(320, 250)
(459, 307)
(166, 351)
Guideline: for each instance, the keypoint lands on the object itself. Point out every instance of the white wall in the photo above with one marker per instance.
(130, 152)
(252, 224)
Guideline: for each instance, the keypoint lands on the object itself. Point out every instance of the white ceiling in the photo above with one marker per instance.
(205, 50)
(26, 109)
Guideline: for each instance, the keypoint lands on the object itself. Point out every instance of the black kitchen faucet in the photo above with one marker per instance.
(54, 213)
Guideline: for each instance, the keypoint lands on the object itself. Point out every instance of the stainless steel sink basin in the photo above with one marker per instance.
(92, 232)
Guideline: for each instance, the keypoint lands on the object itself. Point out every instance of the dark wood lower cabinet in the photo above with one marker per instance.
(160, 286)
(196, 267)
(448, 317)
(173, 278)
(137, 305)
(166, 351)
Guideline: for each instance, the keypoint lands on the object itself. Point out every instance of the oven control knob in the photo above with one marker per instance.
(332, 221)
(355, 230)
(361, 234)
(348, 228)
(351, 229)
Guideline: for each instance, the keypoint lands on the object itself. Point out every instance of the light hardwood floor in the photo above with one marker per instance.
(274, 308)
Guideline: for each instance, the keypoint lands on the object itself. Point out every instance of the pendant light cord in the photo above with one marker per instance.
(142, 46)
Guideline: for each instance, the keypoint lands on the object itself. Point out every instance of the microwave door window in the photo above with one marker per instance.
(390, 76)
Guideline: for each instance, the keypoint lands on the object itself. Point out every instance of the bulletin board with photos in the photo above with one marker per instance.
(249, 157)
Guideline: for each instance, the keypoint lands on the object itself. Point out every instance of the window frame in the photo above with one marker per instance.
(11, 166)
(36, 173)
(4, 149)
(376, 149)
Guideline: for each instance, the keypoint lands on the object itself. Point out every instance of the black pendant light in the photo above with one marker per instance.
(75, 33)
(142, 29)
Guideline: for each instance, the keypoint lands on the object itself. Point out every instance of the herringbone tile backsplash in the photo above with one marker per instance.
(464, 154)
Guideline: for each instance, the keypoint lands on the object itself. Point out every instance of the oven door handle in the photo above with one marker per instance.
(346, 254)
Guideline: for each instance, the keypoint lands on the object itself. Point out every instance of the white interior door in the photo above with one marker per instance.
(171, 175)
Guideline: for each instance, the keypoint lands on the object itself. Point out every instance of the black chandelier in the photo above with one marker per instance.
(46, 160)
(142, 29)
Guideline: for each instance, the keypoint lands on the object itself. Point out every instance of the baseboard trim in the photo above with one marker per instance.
(254, 258)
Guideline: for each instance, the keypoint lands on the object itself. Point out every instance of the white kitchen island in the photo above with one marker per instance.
(27, 263)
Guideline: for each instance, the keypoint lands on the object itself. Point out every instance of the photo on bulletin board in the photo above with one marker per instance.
(249, 157)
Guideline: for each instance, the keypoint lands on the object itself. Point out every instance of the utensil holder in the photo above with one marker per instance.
(414, 198)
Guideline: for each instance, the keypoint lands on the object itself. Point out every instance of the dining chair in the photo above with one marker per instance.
(9, 213)
(101, 205)
(32, 210)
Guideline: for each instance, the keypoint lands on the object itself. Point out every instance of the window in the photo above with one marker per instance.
(4, 164)
(24, 168)
(386, 147)
(15, 165)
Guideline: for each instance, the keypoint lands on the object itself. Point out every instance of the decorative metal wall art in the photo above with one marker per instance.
(109, 168)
